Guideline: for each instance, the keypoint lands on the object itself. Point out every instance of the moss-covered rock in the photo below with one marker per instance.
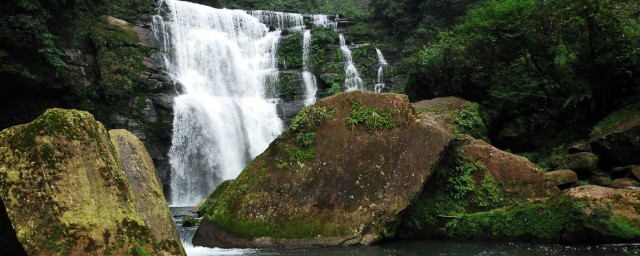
(328, 181)
(146, 187)
(472, 177)
(617, 137)
(65, 191)
(562, 177)
(586, 214)
(457, 115)
(583, 163)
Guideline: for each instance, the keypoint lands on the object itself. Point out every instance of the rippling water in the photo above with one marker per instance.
(441, 248)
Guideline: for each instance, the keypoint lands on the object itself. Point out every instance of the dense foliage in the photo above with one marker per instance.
(345, 7)
(536, 64)
(34, 34)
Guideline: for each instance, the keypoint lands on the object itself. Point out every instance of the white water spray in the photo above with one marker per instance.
(222, 58)
(322, 20)
(280, 20)
(352, 80)
(308, 78)
(382, 63)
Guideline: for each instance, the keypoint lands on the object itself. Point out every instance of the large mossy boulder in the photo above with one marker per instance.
(65, 191)
(617, 138)
(347, 167)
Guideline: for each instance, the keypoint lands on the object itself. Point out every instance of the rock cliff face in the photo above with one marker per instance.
(347, 166)
(68, 190)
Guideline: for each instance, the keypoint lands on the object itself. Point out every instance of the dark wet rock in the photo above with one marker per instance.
(624, 183)
(617, 137)
(581, 163)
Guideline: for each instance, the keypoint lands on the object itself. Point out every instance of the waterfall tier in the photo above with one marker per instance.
(382, 63)
(352, 77)
(309, 80)
(223, 59)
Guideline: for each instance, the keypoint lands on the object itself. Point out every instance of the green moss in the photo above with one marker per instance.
(613, 121)
(469, 121)
(140, 251)
(547, 221)
(456, 188)
(617, 226)
(466, 120)
(119, 59)
(372, 119)
(310, 117)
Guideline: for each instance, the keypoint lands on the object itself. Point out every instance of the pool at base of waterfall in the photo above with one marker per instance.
(410, 248)
(434, 247)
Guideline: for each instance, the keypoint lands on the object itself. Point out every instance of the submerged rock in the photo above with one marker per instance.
(347, 166)
(65, 191)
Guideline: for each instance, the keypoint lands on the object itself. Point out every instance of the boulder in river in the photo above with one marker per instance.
(347, 166)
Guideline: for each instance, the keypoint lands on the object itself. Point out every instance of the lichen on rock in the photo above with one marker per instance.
(343, 192)
(65, 192)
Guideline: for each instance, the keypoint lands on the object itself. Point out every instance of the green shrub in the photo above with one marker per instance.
(372, 119)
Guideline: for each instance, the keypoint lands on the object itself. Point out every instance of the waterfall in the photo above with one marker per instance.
(322, 20)
(307, 77)
(280, 20)
(352, 79)
(223, 59)
(382, 63)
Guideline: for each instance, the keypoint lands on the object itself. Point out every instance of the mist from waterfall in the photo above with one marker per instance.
(222, 59)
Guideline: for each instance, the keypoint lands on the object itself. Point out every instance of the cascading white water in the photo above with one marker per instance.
(308, 78)
(322, 20)
(280, 20)
(222, 58)
(382, 63)
(352, 79)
